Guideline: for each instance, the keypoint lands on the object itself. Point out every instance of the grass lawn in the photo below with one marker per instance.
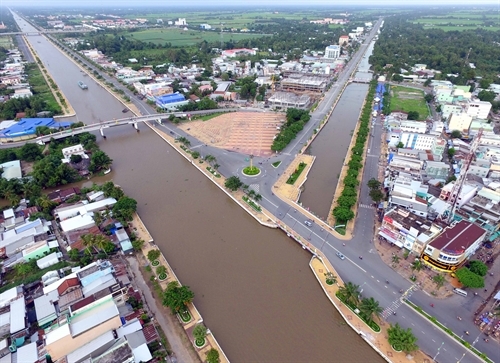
(181, 38)
(40, 87)
(6, 42)
(409, 99)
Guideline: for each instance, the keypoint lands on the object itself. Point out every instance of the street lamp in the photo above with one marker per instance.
(438, 351)
(461, 358)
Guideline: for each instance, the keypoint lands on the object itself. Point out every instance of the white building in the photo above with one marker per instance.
(451, 109)
(332, 52)
(459, 122)
(73, 150)
(479, 109)
(180, 22)
(413, 126)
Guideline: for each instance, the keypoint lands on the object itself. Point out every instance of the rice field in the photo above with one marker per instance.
(462, 20)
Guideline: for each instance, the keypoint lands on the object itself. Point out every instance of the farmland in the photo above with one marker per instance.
(461, 20)
(183, 38)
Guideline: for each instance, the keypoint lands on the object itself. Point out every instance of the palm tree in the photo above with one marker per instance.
(44, 202)
(251, 193)
(395, 258)
(88, 241)
(101, 242)
(330, 278)
(417, 265)
(245, 187)
(257, 197)
(350, 293)
(370, 307)
(439, 280)
(216, 166)
(402, 339)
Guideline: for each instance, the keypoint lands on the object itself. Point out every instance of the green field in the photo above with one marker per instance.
(408, 99)
(461, 20)
(181, 38)
(6, 42)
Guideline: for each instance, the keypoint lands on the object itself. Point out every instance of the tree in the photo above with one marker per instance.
(233, 183)
(351, 181)
(478, 267)
(88, 241)
(455, 134)
(195, 154)
(75, 158)
(51, 171)
(413, 115)
(370, 308)
(350, 293)
(153, 255)
(200, 332)
(373, 183)
(125, 208)
(343, 214)
(45, 203)
(395, 258)
(30, 152)
(487, 96)
(99, 161)
(74, 254)
(330, 278)
(402, 339)
(469, 278)
(137, 244)
(400, 145)
(177, 297)
(428, 97)
(417, 265)
(439, 280)
(451, 152)
(161, 270)
(377, 195)
(24, 269)
(346, 201)
(397, 78)
(257, 197)
(213, 356)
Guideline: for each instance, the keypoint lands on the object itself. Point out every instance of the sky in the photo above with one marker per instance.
(246, 3)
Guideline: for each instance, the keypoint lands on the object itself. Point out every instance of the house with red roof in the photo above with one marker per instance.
(454, 246)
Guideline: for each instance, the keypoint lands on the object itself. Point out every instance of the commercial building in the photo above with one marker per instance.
(460, 122)
(453, 246)
(403, 229)
(479, 109)
(171, 101)
(332, 52)
(232, 53)
(284, 100)
(344, 40)
(26, 128)
(419, 127)
(301, 82)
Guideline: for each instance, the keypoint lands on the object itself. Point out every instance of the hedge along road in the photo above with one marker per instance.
(253, 285)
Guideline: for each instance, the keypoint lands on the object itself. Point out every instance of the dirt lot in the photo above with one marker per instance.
(245, 132)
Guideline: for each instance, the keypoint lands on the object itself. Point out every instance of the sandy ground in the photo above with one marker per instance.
(245, 132)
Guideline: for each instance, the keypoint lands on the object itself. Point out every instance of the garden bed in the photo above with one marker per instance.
(373, 326)
(251, 171)
(291, 180)
(185, 316)
(162, 277)
(276, 164)
(252, 204)
(199, 343)
(155, 263)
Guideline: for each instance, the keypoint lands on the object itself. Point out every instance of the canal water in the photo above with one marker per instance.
(332, 143)
(253, 285)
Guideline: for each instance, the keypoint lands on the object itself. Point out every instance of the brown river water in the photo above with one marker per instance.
(253, 285)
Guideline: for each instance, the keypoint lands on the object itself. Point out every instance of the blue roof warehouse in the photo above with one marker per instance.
(26, 128)
(171, 101)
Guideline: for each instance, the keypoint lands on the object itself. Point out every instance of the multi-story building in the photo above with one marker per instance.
(437, 170)
(467, 192)
(403, 228)
(478, 109)
(454, 246)
(460, 122)
(332, 52)
(480, 168)
(344, 40)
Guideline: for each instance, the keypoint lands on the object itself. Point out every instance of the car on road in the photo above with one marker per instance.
(307, 223)
(341, 256)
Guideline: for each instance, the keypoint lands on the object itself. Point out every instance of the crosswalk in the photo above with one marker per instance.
(397, 303)
(255, 187)
(367, 206)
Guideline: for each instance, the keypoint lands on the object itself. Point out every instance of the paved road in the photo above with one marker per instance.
(370, 273)
(23, 48)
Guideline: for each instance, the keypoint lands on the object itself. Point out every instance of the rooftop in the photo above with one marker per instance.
(458, 238)
(119, 352)
(408, 220)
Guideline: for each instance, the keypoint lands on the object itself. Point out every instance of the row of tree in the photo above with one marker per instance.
(295, 121)
(348, 198)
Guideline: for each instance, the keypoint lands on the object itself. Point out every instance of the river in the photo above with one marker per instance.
(331, 145)
(253, 285)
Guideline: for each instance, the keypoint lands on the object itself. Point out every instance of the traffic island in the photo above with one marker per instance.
(251, 171)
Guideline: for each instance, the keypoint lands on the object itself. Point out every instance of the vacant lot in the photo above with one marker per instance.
(409, 99)
(181, 38)
(249, 133)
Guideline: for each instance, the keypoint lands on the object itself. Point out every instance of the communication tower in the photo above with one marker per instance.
(457, 187)
(221, 35)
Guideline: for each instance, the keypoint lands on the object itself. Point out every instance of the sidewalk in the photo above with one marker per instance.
(377, 341)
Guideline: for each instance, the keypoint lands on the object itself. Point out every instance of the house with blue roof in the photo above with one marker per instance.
(26, 128)
(171, 101)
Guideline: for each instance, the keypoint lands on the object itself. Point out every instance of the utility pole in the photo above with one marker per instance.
(221, 35)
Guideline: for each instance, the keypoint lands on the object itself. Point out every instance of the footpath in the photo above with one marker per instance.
(378, 341)
(187, 321)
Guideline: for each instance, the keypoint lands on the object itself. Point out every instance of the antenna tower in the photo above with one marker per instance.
(457, 187)
(221, 35)
(467, 57)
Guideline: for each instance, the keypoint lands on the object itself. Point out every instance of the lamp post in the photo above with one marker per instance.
(438, 351)
(461, 358)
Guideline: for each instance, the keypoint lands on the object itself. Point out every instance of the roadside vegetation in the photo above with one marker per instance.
(343, 210)
(295, 175)
(295, 121)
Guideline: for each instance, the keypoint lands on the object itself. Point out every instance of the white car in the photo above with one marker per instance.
(341, 256)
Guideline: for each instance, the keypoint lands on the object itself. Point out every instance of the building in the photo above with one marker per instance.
(413, 126)
(437, 170)
(448, 109)
(303, 83)
(332, 52)
(467, 192)
(284, 100)
(69, 151)
(478, 109)
(454, 246)
(11, 170)
(344, 40)
(26, 128)
(21, 93)
(232, 53)
(403, 229)
(460, 122)
(180, 22)
(205, 26)
(171, 101)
